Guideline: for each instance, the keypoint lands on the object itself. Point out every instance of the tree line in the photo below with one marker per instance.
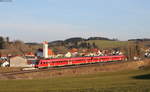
(15, 47)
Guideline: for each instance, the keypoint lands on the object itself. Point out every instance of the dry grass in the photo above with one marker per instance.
(9, 69)
(78, 71)
(125, 77)
(85, 70)
(120, 81)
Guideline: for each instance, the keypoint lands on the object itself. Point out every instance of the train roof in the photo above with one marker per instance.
(80, 58)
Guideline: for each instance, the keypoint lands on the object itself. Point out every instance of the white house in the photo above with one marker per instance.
(18, 62)
(68, 54)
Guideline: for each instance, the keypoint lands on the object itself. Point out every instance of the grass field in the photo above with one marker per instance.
(109, 44)
(123, 81)
(115, 44)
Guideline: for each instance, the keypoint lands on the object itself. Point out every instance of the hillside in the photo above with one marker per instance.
(108, 44)
(91, 42)
(130, 80)
(62, 46)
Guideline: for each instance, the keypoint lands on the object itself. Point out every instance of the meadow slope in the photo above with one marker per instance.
(126, 80)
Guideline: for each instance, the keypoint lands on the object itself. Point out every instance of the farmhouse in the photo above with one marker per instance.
(18, 62)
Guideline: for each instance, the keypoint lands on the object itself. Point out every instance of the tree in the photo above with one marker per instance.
(94, 45)
(7, 39)
(88, 45)
(2, 43)
(23, 48)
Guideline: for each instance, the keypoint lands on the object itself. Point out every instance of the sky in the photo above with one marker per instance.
(49, 20)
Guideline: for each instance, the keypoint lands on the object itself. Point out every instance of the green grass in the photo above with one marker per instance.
(124, 81)
(109, 44)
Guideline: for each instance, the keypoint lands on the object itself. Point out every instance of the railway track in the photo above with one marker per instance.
(12, 74)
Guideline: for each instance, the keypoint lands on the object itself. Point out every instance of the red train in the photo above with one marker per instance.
(77, 60)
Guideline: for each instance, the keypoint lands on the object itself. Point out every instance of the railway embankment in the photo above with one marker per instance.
(90, 69)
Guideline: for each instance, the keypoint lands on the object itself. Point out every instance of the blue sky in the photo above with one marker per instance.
(39, 20)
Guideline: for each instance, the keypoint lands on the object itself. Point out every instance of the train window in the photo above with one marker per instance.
(65, 61)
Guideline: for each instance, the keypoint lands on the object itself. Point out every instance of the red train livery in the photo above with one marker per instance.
(77, 60)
